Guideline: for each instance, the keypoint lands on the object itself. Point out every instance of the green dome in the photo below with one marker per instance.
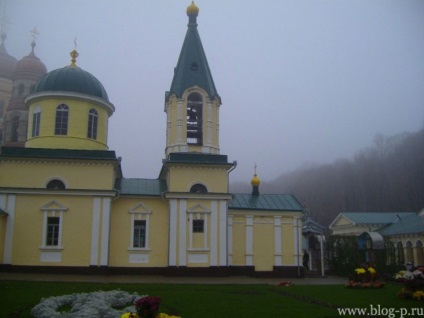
(71, 79)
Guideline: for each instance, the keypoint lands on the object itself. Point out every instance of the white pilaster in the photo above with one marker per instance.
(95, 230)
(223, 233)
(182, 239)
(8, 203)
(277, 241)
(230, 239)
(214, 234)
(105, 232)
(249, 240)
(173, 232)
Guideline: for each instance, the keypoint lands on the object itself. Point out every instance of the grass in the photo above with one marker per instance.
(17, 298)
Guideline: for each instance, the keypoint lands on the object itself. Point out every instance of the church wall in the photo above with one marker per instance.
(154, 211)
(182, 178)
(77, 125)
(29, 230)
(264, 239)
(237, 240)
(75, 174)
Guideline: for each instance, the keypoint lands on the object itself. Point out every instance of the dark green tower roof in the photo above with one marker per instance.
(71, 79)
(192, 68)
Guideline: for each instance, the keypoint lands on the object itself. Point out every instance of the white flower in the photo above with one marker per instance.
(87, 305)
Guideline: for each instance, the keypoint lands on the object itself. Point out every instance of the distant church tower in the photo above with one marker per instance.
(27, 72)
(7, 66)
(192, 103)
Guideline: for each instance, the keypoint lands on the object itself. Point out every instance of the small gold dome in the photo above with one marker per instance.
(255, 181)
(192, 9)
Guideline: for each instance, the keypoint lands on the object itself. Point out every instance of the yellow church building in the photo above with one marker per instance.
(66, 207)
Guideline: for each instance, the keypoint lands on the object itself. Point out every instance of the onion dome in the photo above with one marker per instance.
(30, 64)
(192, 9)
(7, 62)
(255, 181)
(71, 79)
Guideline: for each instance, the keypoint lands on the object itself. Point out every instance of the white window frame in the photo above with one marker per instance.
(140, 213)
(198, 212)
(52, 209)
(36, 121)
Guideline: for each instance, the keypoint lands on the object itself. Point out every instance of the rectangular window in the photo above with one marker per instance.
(36, 124)
(198, 226)
(139, 238)
(52, 238)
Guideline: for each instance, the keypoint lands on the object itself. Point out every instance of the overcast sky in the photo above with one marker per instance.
(300, 81)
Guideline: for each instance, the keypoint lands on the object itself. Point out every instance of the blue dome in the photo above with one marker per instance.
(71, 79)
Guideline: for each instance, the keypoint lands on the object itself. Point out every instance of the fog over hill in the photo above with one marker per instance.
(388, 176)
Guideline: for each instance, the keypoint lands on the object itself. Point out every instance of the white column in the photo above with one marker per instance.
(223, 233)
(277, 241)
(8, 203)
(249, 240)
(105, 232)
(182, 247)
(214, 235)
(173, 232)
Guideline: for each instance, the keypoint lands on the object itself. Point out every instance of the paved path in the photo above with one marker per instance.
(156, 279)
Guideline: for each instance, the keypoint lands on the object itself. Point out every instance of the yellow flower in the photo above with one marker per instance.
(128, 315)
(418, 295)
(359, 271)
(162, 315)
(372, 270)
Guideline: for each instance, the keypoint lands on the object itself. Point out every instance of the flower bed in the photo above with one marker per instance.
(104, 304)
(413, 282)
(364, 277)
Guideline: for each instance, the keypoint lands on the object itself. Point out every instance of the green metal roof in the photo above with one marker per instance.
(270, 202)
(373, 217)
(57, 153)
(71, 79)
(137, 186)
(406, 224)
(192, 68)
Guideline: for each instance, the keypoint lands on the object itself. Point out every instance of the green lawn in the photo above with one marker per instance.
(17, 298)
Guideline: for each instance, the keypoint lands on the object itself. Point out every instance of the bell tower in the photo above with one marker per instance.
(192, 103)
(196, 173)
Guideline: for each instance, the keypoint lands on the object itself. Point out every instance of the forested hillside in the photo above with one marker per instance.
(389, 176)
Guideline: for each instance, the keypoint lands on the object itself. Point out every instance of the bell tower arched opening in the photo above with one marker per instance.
(194, 119)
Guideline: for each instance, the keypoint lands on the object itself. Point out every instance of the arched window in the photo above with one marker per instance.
(93, 117)
(55, 184)
(194, 119)
(198, 188)
(36, 122)
(62, 115)
(15, 128)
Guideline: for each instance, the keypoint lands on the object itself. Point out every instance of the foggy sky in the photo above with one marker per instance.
(300, 81)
